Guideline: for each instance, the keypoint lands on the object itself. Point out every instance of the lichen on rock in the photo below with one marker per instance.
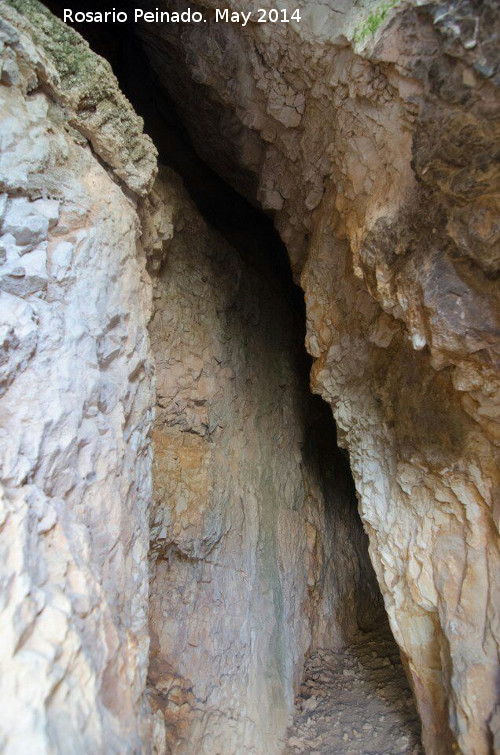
(85, 85)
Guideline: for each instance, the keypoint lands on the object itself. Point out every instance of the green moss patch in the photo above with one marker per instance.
(374, 20)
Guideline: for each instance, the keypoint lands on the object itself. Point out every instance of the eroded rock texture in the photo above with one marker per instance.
(378, 159)
(257, 551)
(76, 405)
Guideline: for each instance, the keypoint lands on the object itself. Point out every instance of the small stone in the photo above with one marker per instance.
(10, 71)
(468, 78)
(310, 704)
(60, 260)
(49, 208)
(27, 226)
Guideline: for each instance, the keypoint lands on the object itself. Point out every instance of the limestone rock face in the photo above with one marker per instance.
(75, 417)
(256, 547)
(373, 148)
(84, 85)
(256, 552)
(375, 156)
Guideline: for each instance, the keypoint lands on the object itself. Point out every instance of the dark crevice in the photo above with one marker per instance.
(246, 227)
(250, 231)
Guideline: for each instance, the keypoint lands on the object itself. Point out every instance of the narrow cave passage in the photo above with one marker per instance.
(258, 554)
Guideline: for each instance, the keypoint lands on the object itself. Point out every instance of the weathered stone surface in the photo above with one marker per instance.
(386, 194)
(58, 59)
(75, 419)
(249, 512)
(377, 157)
(257, 551)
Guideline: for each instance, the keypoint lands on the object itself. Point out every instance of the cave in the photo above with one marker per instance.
(255, 517)
(341, 609)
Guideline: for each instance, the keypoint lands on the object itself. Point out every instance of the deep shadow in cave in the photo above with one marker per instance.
(245, 227)
(251, 232)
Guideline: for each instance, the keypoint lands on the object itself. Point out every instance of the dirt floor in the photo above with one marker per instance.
(356, 702)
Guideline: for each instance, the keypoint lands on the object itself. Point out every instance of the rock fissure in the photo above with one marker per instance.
(194, 549)
(180, 529)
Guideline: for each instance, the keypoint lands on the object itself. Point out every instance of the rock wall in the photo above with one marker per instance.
(257, 550)
(371, 133)
(76, 398)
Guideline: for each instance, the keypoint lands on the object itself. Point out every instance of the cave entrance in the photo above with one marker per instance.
(258, 558)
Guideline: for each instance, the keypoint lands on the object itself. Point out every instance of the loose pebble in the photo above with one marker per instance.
(355, 702)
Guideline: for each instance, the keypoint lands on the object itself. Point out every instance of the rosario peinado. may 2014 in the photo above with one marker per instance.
(261, 15)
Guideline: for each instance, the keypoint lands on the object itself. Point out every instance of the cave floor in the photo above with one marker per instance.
(356, 701)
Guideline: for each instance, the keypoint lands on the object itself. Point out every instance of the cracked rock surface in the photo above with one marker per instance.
(151, 406)
(376, 153)
(257, 551)
(76, 388)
